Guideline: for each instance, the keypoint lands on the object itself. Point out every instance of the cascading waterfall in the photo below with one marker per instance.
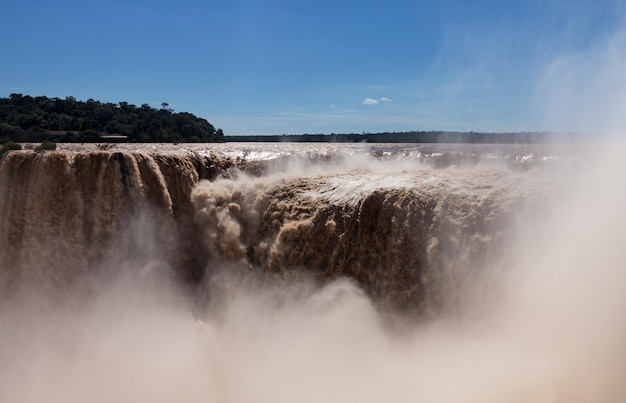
(311, 272)
(399, 234)
(404, 237)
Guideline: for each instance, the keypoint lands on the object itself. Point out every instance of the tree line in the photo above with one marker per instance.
(24, 118)
(413, 137)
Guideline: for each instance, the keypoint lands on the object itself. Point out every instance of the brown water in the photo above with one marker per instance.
(280, 272)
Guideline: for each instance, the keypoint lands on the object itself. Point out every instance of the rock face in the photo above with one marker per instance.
(405, 235)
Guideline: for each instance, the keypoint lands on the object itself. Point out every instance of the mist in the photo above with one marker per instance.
(583, 91)
(548, 325)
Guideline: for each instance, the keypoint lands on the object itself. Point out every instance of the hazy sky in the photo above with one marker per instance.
(293, 66)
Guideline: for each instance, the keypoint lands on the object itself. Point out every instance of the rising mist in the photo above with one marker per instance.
(540, 319)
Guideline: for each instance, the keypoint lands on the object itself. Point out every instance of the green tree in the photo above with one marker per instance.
(24, 118)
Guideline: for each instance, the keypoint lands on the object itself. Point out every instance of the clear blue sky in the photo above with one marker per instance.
(294, 66)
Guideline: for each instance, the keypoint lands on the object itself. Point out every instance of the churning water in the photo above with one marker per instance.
(339, 273)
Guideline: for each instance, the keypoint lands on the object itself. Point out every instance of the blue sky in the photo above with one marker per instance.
(292, 66)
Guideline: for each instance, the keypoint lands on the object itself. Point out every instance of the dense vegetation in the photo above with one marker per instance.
(6, 146)
(24, 118)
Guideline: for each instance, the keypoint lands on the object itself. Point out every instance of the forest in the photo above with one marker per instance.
(24, 118)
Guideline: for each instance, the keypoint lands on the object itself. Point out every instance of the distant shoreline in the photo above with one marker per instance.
(413, 137)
